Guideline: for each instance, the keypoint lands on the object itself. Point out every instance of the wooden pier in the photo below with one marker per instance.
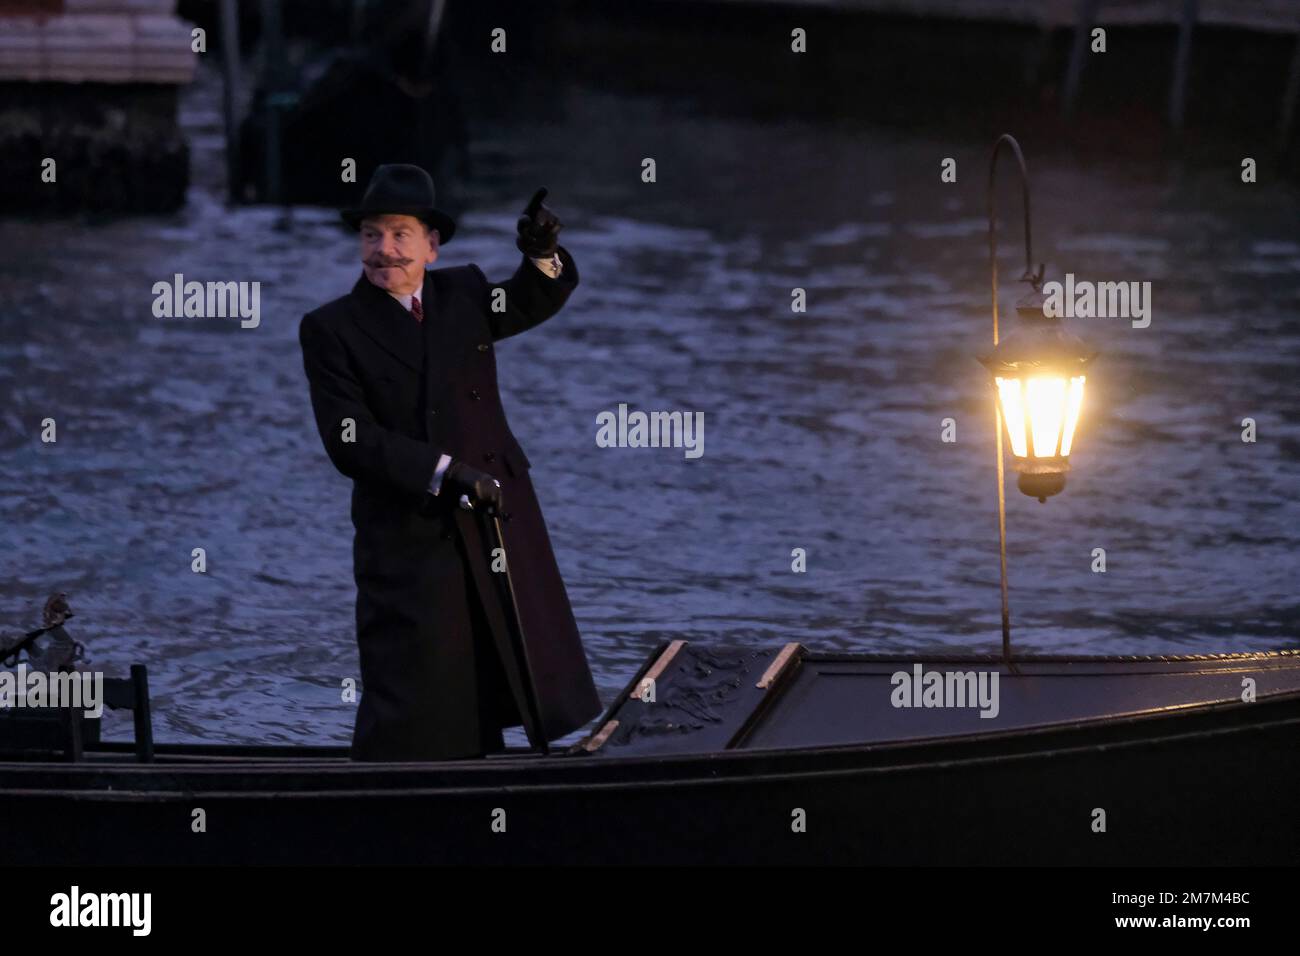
(1276, 18)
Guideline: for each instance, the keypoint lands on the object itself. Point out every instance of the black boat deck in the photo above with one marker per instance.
(707, 699)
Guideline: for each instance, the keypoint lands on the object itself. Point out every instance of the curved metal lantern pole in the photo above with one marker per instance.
(1036, 280)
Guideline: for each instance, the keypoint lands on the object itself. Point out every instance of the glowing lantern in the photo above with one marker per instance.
(1039, 374)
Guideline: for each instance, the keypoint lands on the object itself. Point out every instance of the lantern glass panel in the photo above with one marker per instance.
(1013, 412)
(1041, 413)
(1046, 400)
(1075, 404)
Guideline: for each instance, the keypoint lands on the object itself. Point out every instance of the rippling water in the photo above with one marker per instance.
(822, 430)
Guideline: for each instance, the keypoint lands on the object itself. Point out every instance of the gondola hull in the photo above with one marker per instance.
(1203, 782)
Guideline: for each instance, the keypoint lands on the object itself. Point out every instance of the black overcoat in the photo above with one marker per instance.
(439, 674)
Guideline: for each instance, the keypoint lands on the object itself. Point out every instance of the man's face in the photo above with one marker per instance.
(395, 250)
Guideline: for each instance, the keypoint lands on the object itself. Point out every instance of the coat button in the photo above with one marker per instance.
(433, 414)
(483, 347)
(489, 456)
(473, 393)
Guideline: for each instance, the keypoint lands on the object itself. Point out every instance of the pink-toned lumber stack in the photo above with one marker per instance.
(94, 41)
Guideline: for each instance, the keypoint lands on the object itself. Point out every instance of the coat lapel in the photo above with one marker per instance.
(391, 327)
(440, 350)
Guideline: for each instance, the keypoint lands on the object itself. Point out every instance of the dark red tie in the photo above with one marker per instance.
(417, 310)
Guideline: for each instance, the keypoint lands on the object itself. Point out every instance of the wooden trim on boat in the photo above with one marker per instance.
(594, 742)
(966, 657)
(659, 666)
(778, 664)
(653, 667)
(778, 674)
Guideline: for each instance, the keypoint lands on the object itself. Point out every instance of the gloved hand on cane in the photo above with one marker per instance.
(480, 487)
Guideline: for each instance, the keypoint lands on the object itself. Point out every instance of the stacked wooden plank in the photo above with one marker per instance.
(94, 41)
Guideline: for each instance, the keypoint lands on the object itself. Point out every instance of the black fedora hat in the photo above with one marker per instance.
(404, 190)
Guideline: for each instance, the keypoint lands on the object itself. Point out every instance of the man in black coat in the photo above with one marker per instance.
(402, 374)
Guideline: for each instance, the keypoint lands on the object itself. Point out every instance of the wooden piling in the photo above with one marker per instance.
(1286, 119)
(1086, 17)
(272, 51)
(230, 95)
(1182, 65)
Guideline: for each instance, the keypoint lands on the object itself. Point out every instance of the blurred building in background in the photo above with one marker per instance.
(92, 85)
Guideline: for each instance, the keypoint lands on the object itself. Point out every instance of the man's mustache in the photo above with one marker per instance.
(384, 262)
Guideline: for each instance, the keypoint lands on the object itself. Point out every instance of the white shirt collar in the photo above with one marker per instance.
(406, 299)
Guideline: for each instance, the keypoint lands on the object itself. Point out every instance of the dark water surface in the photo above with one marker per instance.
(822, 430)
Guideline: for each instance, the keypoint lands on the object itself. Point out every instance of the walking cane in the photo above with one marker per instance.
(517, 628)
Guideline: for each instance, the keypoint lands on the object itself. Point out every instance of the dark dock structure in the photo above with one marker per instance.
(91, 85)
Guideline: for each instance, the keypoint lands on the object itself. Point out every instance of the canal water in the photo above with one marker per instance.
(822, 429)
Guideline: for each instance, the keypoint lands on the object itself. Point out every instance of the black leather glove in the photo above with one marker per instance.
(481, 487)
(539, 229)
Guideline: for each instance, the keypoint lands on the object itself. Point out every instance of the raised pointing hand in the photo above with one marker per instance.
(539, 229)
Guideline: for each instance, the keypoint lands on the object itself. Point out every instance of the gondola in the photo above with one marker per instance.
(737, 755)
